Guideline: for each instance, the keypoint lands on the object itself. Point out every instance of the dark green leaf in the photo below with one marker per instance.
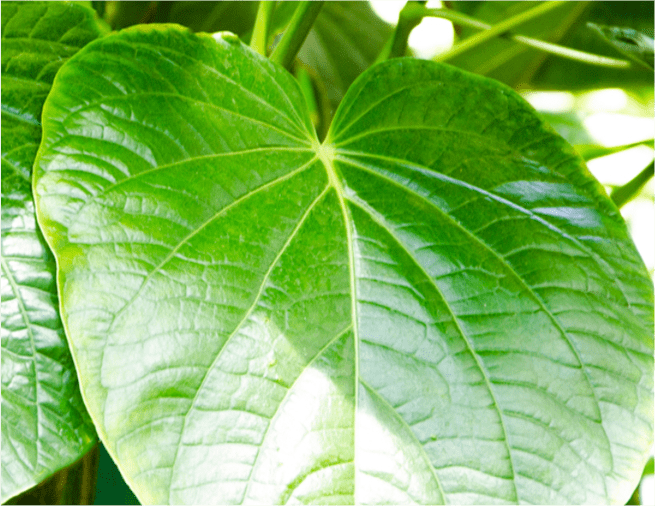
(438, 304)
(634, 44)
(236, 17)
(506, 60)
(559, 73)
(44, 424)
(344, 41)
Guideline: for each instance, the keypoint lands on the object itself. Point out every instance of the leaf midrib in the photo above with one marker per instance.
(326, 154)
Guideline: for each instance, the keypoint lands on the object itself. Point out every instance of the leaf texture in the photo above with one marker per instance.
(436, 305)
(44, 423)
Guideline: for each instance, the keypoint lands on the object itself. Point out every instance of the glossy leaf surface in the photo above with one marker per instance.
(438, 304)
(44, 424)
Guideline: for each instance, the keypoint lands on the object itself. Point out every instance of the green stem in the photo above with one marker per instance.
(295, 34)
(259, 39)
(627, 192)
(75, 484)
(409, 18)
(548, 47)
(498, 29)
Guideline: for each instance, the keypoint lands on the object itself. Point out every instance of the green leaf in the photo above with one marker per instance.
(506, 60)
(202, 16)
(564, 74)
(591, 151)
(438, 304)
(344, 41)
(636, 45)
(44, 424)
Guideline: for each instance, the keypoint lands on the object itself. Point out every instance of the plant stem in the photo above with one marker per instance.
(625, 193)
(75, 484)
(409, 18)
(295, 34)
(548, 47)
(259, 39)
(498, 30)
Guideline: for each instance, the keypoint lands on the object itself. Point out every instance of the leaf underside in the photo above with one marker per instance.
(44, 424)
(437, 304)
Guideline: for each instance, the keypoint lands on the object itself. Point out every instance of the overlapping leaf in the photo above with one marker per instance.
(44, 423)
(438, 304)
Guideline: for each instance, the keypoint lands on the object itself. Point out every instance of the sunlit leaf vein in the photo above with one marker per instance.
(28, 326)
(238, 327)
(509, 268)
(286, 395)
(402, 421)
(379, 221)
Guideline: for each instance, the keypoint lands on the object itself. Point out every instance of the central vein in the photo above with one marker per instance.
(326, 155)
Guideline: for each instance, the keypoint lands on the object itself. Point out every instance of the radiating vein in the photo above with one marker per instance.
(28, 326)
(455, 321)
(238, 327)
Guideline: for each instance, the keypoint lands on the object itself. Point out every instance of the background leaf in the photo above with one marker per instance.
(563, 74)
(44, 423)
(634, 44)
(345, 40)
(522, 67)
(508, 61)
(438, 304)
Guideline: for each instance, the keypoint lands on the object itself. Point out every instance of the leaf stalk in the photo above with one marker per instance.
(548, 47)
(259, 39)
(409, 18)
(624, 194)
(498, 30)
(301, 22)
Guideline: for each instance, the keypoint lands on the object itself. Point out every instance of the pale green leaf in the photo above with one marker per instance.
(437, 305)
(44, 424)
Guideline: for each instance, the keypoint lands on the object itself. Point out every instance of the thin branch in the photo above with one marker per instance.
(409, 18)
(498, 29)
(295, 34)
(548, 47)
(623, 194)
(259, 39)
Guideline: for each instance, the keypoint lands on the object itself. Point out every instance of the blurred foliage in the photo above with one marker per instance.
(506, 60)
(558, 73)
(522, 67)
(636, 45)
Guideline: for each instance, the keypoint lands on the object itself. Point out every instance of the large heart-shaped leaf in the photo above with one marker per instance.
(438, 304)
(44, 424)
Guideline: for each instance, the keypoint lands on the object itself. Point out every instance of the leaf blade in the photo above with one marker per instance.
(317, 323)
(44, 425)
